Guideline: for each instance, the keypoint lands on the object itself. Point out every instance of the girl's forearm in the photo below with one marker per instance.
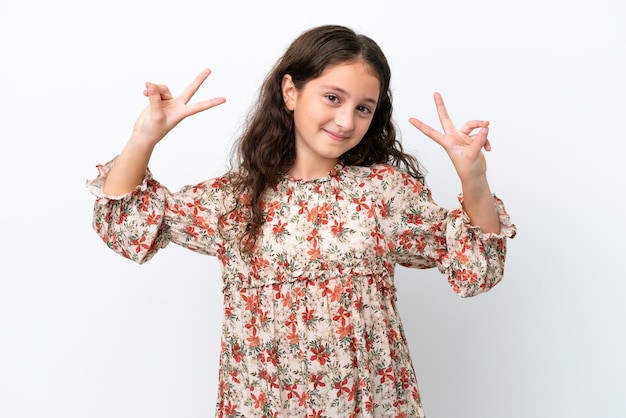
(479, 205)
(129, 168)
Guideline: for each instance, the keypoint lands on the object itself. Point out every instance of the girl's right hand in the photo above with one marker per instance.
(165, 111)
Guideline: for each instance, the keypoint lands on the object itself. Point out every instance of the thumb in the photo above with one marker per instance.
(153, 93)
(155, 101)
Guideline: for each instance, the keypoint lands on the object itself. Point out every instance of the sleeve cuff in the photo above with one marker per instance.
(507, 228)
(96, 185)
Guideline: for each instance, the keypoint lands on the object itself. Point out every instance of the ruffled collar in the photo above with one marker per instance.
(334, 173)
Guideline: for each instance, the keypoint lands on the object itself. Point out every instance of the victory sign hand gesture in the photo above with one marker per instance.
(463, 147)
(165, 111)
(162, 114)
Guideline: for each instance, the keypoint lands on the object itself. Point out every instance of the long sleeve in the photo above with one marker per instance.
(424, 235)
(138, 224)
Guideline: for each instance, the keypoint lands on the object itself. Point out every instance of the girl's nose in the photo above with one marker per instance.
(344, 119)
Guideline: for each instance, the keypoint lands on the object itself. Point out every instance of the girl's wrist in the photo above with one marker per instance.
(137, 143)
(474, 181)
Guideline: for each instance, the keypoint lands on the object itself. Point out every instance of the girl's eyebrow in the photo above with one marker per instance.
(345, 93)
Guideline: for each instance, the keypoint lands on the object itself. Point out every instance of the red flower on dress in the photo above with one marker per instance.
(337, 228)
(320, 354)
(191, 231)
(230, 409)
(254, 339)
(314, 414)
(385, 374)
(317, 380)
(461, 256)
(140, 244)
(196, 206)
(219, 183)
(360, 203)
(337, 193)
(307, 315)
(153, 218)
(291, 390)
(279, 228)
(342, 387)
(237, 353)
(345, 331)
(260, 401)
(293, 337)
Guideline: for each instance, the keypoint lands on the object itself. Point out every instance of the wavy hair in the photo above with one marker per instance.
(266, 151)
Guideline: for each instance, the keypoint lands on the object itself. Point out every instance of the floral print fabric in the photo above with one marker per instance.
(310, 325)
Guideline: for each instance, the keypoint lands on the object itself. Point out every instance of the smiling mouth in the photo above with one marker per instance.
(336, 137)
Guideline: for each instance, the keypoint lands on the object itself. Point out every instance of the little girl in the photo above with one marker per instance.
(308, 227)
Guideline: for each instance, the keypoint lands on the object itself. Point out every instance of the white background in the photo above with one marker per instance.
(85, 333)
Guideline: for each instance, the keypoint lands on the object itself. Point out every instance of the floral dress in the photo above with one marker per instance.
(310, 326)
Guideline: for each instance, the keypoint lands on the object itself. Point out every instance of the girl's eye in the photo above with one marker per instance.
(332, 98)
(364, 109)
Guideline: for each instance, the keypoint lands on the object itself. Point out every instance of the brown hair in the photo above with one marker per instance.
(265, 151)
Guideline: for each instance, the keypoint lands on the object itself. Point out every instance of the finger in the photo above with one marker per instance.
(480, 140)
(472, 125)
(442, 112)
(427, 130)
(194, 108)
(192, 88)
(164, 91)
(155, 100)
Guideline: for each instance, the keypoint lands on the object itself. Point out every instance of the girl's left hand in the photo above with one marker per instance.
(463, 147)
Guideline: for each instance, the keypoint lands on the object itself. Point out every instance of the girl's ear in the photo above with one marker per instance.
(289, 92)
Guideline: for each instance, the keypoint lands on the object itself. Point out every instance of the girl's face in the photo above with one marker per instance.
(332, 113)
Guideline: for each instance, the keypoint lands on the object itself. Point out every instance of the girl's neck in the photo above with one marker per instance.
(301, 171)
